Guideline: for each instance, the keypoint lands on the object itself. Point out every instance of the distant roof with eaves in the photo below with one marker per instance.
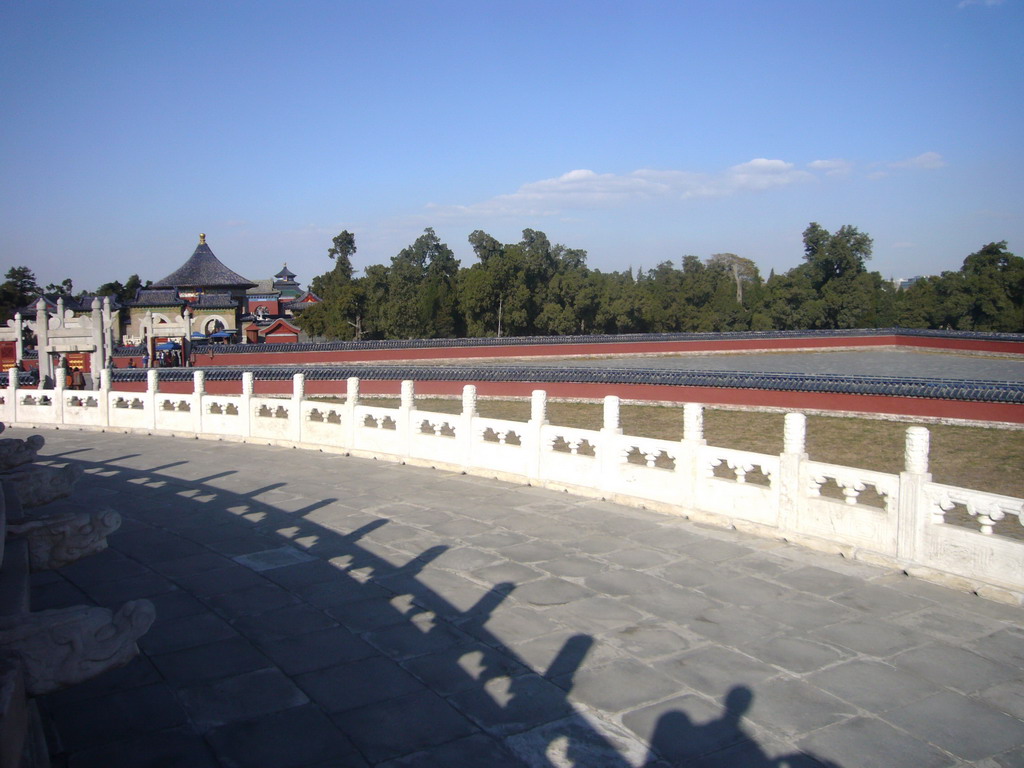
(215, 301)
(203, 270)
(150, 297)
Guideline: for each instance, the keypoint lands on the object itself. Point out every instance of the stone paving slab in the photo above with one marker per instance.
(318, 610)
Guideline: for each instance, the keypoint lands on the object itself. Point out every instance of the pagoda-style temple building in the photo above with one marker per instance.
(272, 306)
(204, 301)
(202, 293)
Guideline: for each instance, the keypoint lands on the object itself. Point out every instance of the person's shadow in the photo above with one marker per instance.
(719, 742)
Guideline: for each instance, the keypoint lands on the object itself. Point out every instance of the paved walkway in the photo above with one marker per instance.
(316, 610)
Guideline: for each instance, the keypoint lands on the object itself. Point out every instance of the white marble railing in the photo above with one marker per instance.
(892, 519)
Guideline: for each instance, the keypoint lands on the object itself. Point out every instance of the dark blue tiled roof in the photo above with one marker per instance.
(148, 297)
(215, 301)
(203, 270)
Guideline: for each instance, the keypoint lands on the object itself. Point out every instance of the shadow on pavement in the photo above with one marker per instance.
(282, 642)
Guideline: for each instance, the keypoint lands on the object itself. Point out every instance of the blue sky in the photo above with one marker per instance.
(640, 132)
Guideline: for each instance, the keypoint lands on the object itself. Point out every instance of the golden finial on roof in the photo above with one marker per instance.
(202, 238)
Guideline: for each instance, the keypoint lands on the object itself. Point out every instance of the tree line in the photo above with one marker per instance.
(19, 291)
(533, 287)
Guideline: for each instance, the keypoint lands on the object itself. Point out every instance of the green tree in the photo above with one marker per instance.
(123, 293)
(986, 294)
(422, 298)
(64, 288)
(496, 295)
(339, 313)
(18, 291)
(620, 308)
(743, 271)
(834, 270)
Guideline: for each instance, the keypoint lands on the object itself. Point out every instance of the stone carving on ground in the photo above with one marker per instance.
(45, 651)
(58, 540)
(61, 647)
(15, 452)
(37, 485)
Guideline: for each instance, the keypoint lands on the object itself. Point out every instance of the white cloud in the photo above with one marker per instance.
(835, 167)
(967, 3)
(586, 189)
(926, 161)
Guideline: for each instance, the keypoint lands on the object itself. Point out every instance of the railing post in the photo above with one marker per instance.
(152, 387)
(106, 386)
(608, 459)
(198, 390)
(912, 512)
(793, 455)
(534, 437)
(404, 421)
(19, 337)
(295, 411)
(350, 428)
(60, 381)
(45, 360)
(97, 360)
(245, 413)
(12, 395)
(465, 433)
(688, 468)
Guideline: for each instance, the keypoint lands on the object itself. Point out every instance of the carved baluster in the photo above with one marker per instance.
(986, 521)
(851, 491)
(942, 505)
(814, 485)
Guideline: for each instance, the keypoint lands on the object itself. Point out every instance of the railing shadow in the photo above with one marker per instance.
(518, 715)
